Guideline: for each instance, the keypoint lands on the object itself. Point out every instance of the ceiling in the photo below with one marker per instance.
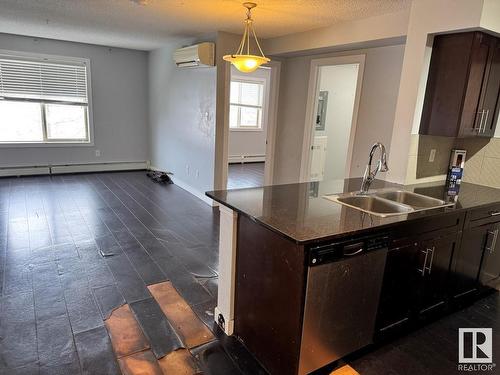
(130, 24)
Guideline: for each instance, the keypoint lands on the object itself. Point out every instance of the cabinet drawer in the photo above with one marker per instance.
(451, 221)
(484, 215)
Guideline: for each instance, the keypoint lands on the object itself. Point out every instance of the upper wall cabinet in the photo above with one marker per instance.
(463, 86)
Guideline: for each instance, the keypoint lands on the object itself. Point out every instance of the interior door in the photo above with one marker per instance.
(318, 158)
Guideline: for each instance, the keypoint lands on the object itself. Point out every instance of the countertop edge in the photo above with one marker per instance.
(428, 214)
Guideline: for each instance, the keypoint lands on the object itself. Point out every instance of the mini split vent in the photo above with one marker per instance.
(198, 55)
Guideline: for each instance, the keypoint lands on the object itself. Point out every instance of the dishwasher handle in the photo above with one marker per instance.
(353, 249)
(335, 251)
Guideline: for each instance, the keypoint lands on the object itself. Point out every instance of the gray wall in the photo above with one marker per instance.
(182, 120)
(119, 96)
(375, 116)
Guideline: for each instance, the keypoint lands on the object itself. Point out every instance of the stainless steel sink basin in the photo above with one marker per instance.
(416, 201)
(372, 204)
(386, 203)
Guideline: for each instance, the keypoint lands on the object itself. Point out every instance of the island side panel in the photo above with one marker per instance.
(224, 312)
(270, 290)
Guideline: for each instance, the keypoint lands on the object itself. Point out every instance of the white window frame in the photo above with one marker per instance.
(90, 116)
(262, 81)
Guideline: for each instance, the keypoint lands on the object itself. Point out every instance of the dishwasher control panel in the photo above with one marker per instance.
(332, 251)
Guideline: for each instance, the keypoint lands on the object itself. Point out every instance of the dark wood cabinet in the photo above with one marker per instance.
(466, 263)
(476, 263)
(489, 272)
(435, 256)
(400, 278)
(417, 277)
(463, 86)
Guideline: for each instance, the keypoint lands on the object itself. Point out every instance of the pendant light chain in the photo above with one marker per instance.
(248, 25)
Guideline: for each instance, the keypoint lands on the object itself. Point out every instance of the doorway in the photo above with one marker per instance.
(251, 128)
(332, 108)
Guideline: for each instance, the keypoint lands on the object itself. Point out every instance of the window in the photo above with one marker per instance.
(43, 100)
(246, 100)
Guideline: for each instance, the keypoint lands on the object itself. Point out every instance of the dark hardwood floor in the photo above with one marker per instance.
(75, 247)
(245, 175)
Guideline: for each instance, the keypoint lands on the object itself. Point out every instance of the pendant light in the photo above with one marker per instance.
(247, 63)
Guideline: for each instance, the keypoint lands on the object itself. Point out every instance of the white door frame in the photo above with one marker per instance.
(272, 121)
(312, 105)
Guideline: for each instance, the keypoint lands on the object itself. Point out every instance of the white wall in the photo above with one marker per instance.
(251, 142)
(340, 82)
(375, 116)
(182, 120)
(119, 97)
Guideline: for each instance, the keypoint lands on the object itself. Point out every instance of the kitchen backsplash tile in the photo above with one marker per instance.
(490, 172)
(482, 164)
(492, 149)
(420, 169)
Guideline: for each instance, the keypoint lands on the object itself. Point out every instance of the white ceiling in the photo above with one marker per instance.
(125, 23)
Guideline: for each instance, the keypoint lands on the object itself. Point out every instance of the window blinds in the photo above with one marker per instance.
(43, 80)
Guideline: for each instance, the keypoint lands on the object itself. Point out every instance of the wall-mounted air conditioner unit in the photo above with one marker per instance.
(198, 55)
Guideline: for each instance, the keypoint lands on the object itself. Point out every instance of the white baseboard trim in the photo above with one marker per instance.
(98, 167)
(246, 159)
(72, 168)
(23, 171)
(183, 185)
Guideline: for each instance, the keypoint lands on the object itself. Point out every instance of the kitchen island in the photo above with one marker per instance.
(305, 281)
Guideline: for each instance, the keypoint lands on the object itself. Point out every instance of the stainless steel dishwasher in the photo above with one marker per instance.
(343, 289)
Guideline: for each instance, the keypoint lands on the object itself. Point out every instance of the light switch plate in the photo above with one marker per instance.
(432, 155)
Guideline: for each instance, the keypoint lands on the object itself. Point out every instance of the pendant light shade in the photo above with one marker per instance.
(247, 63)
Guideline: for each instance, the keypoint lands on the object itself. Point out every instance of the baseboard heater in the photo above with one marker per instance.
(246, 159)
(72, 168)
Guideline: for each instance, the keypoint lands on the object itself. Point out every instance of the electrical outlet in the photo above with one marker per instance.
(197, 173)
(432, 155)
(187, 169)
(97, 153)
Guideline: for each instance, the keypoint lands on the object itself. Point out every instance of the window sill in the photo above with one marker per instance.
(48, 144)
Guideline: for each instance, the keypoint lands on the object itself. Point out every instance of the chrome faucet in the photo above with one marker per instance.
(369, 175)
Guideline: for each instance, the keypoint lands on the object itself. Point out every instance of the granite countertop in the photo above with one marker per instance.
(300, 213)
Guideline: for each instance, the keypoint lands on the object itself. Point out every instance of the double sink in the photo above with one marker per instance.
(385, 203)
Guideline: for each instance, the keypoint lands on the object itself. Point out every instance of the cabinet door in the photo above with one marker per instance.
(490, 96)
(490, 266)
(447, 84)
(434, 272)
(467, 260)
(397, 295)
(472, 116)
